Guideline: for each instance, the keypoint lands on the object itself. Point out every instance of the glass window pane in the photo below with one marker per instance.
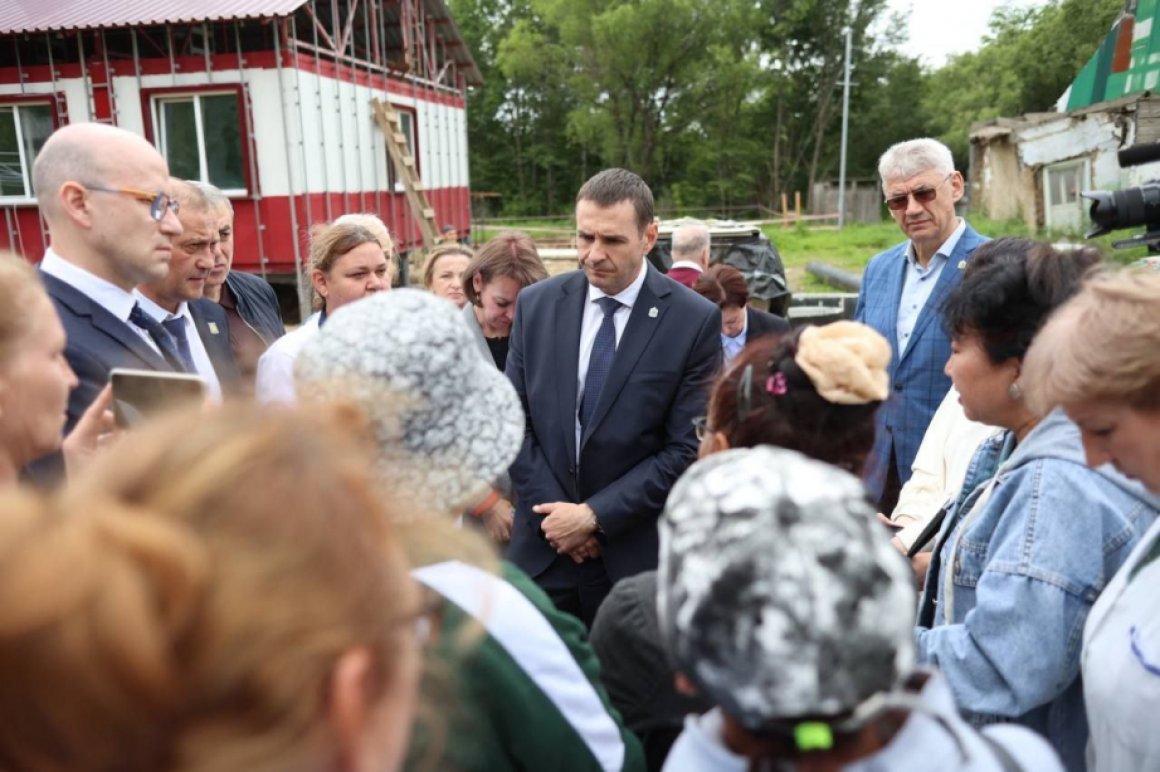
(11, 173)
(223, 140)
(36, 124)
(407, 124)
(179, 138)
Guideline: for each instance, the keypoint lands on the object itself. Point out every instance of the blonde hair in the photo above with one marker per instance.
(373, 224)
(1100, 345)
(21, 288)
(443, 250)
(183, 606)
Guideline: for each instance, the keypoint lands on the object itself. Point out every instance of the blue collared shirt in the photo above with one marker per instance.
(919, 282)
(731, 347)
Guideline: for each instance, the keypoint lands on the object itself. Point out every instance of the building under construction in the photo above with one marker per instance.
(300, 110)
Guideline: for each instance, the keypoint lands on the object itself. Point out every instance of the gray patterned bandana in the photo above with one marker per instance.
(447, 422)
(779, 594)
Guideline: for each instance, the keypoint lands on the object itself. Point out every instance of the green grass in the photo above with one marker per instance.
(848, 249)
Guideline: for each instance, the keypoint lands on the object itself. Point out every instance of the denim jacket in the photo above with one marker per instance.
(1026, 568)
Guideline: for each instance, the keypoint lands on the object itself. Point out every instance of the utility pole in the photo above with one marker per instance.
(845, 132)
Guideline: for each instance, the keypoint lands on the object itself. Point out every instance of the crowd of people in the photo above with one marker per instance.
(610, 519)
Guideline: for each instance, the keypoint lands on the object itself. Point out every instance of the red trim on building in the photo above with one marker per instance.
(253, 60)
(451, 206)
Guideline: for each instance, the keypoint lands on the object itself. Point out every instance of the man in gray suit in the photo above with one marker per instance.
(104, 193)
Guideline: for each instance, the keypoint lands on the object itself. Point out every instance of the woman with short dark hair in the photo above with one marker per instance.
(1035, 535)
(492, 282)
(725, 286)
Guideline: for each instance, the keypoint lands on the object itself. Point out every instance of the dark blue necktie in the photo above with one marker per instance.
(600, 362)
(176, 327)
(164, 341)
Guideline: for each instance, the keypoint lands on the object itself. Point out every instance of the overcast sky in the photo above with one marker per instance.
(939, 28)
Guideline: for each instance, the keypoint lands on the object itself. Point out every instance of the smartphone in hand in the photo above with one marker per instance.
(142, 394)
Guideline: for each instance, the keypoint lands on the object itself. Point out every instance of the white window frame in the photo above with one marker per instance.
(1084, 170)
(405, 116)
(199, 128)
(25, 162)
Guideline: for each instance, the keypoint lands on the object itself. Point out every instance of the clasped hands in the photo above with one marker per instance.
(570, 529)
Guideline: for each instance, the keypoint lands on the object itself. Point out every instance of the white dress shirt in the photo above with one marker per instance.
(687, 264)
(108, 296)
(202, 364)
(918, 283)
(590, 324)
(274, 382)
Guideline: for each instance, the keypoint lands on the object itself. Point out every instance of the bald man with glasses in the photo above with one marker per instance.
(902, 291)
(105, 194)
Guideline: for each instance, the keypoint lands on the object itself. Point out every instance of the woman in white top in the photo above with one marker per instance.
(1097, 358)
(348, 262)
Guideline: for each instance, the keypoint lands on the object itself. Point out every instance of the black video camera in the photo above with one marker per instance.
(1131, 207)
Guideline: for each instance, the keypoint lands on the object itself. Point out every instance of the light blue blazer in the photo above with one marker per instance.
(917, 381)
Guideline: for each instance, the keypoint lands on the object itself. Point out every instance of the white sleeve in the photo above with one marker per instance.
(274, 382)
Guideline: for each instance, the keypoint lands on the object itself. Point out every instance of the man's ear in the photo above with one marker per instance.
(958, 186)
(73, 202)
(348, 707)
(650, 236)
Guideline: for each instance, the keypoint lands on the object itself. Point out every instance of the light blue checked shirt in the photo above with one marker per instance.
(918, 283)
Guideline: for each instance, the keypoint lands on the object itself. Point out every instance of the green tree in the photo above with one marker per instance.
(1027, 61)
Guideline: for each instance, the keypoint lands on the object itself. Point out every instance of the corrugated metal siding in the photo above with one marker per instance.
(48, 15)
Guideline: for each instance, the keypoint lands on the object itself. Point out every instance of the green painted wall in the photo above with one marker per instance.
(1097, 83)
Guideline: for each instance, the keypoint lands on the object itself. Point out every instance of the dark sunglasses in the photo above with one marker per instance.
(921, 195)
(158, 202)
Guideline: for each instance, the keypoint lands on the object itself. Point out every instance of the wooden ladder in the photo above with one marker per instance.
(421, 209)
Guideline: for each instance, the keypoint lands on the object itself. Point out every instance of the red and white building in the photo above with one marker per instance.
(270, 100)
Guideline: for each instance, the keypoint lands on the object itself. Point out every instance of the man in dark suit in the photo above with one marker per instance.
(691, 243)
(612, 364)
(902, 291)
(198, 326)
(104, 193)
(725, 286)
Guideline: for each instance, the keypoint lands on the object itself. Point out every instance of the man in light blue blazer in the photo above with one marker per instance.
(901, 296)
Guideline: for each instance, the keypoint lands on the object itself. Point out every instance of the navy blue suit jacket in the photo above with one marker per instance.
(640, 438)
(759, 323)
(918, 383)
(213, 327)
(97, 342)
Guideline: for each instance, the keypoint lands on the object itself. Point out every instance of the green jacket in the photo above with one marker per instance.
(524, 695)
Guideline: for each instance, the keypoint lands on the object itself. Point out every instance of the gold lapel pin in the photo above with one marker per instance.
(962, 264)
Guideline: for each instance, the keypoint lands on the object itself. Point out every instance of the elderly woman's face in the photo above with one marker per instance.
(34, 387)
(447, 278)
(1126, 438)
(983, 386)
